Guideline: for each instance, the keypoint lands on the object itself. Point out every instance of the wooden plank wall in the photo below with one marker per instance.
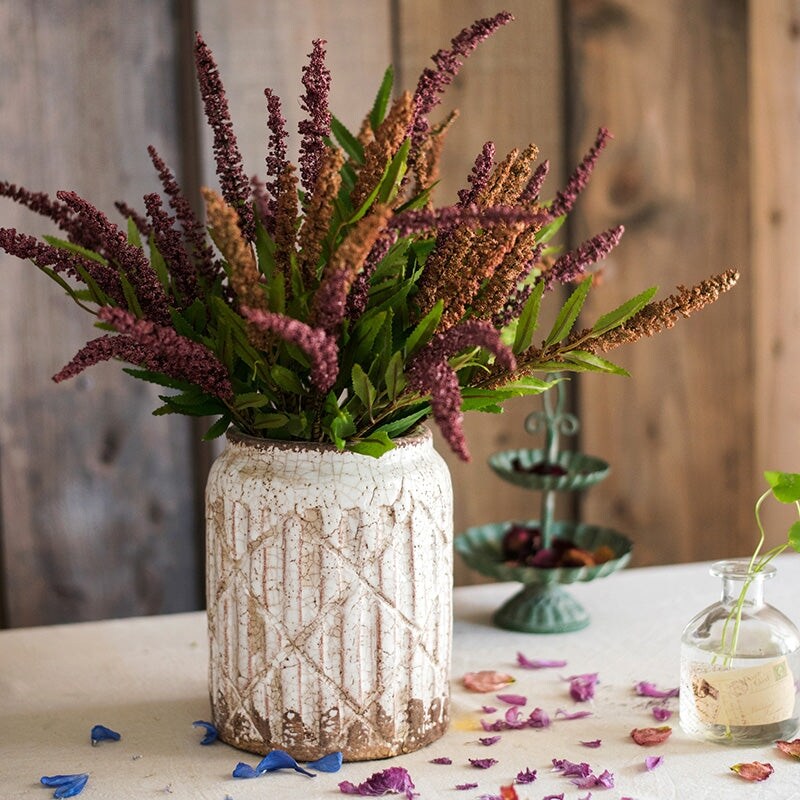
(98, 500)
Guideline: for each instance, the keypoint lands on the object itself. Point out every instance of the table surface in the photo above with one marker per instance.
(146, 678)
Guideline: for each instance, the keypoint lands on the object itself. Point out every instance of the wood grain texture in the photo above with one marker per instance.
(97, 519)
(774, 58)
(670, 81)
(508, 91)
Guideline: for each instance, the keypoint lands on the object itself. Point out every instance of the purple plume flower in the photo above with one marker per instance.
(433, 82)
(575, 263)
(314, 342)
(232, 179)
(359, 292)
(481, 170)
(565, 199)
(317, 125)
(530, 194)
(276, 153)
(429, 373)
(142, 225)
(414, 221)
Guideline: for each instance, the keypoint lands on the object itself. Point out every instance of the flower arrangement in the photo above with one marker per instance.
(340, 305)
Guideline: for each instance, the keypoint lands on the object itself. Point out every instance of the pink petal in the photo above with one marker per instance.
(482, 763)
(650, 736)
(488, 709)
(513, 699)
(661, 714)
(574, 715)
(538, 663)
(593, 743)
(489, 740)
(651, 762)
(753, 771)
(464, 786)
(581, 687)
(526, 776)
(790, 748)
(442, 760)
(645, 689)
(486, 681)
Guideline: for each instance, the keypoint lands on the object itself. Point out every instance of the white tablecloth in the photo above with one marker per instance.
(146, 678)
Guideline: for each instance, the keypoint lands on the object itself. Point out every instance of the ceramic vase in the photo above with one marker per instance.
(329, 586)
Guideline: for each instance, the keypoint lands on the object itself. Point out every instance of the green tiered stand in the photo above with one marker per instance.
(542, 606)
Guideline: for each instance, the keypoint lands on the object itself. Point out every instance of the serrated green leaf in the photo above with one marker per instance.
(363, 388)
(78, 295)
(403, 424)
(594, 363)
(374, 446)
(394, 377)
(528, 320)
(381, 103)
(348, 142)
(159, 379)
(623, 313)
(424, 329)
(269, 421)
(785, 485)
(218, 428)
(530, 385)
(393, 176)
(569, 313)
(250, 400)
(286, 379)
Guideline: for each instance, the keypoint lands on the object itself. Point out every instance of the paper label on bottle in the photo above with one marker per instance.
(748, 696)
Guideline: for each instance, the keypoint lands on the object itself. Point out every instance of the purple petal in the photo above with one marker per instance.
(646, 689)
(587, 796)
(605, 779)
(464, 786)
(554, 796)
(526, 776)
(489, 740)
(651, 762)
(513, 717)
(661, 713)
(538, 719)
(442, 760)
(488, 709)
(581, 687)
(391, 780)
(482, 763)
(571, 769)
(513, 699)
(538, 663)
(592, 743)
(574, 715)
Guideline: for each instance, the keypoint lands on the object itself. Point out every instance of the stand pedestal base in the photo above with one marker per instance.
(542, 608)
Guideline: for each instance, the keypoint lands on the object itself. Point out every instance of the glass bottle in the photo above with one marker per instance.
(739, 676)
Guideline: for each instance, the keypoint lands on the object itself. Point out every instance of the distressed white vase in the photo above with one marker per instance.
(329, 578)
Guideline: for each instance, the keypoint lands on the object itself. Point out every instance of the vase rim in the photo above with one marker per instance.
(419, 435)
(739, 568)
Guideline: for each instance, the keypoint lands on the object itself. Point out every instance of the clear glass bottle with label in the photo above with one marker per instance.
(740, 673)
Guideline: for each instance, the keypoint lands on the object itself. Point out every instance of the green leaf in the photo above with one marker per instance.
(270, 421)
(405, 423)
(530, 385)
(133, 234)
(785, 486)
(569, 312)
(159, 265)
(375, 445)
(218, 428)
(63, 244)
(593, 363)
(547, 232)
(287, 380)
(79, 296)
(794, 536)
(394, 378)
(131, 300)
(528, 320)
(624, 312)
(378, 111)
(265, 252)
(424, 329)
(349, 143)
(159, 379)
(250, 400)
(363, 387)
(392, 177)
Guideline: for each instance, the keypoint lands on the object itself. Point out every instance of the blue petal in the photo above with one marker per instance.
(280, 759)
(100, 732)
(68, 785)
(243, 770)
(330, 763)
(211, 731)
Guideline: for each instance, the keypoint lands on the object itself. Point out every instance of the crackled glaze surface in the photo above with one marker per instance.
(329, 597)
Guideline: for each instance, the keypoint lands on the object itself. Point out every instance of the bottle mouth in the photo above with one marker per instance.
(739, 568)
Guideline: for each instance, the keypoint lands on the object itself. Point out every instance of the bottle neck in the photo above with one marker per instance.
(753, 585)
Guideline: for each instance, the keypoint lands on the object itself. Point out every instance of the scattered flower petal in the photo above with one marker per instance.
(587, 796)
(273, 761)
(329, 763)
(393, 780)
(211, 731)
(508, 793)
(538, 718)
(526, 776)
(574, 715)
(581, 687)
(490, 797)
(753, 771)
(488, 709)
(554, 796)
(465, 786)
(486, 681)
(513, 699)
(790, 748)
(651, 762)
(538, 663)
(661, 714)
(651, 736)
(571, 768)
(489, 740)
(442, 760)
(645, 689)
(66, 785)
(101, 733)
(242, 770)
(482, 763)
(593, 743)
